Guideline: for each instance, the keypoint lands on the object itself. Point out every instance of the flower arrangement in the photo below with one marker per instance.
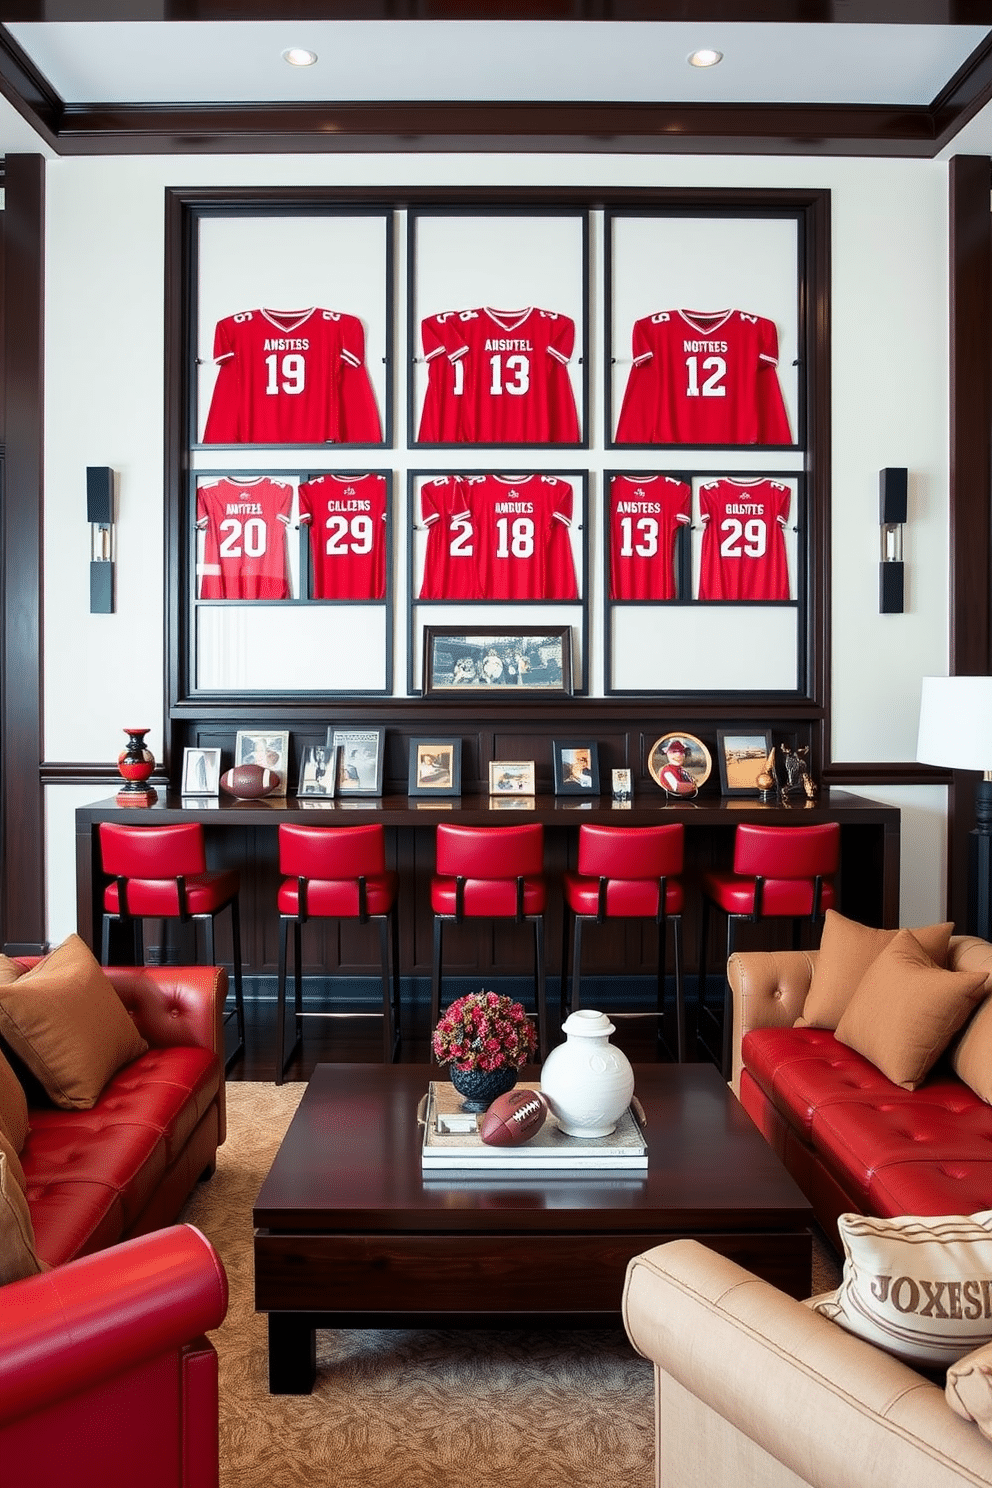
(484, 1031)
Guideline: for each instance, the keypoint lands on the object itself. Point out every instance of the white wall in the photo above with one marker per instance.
(104, 406)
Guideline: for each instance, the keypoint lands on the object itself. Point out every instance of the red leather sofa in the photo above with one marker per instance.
(126, 1166)
(105, 1377)
(854, 1141)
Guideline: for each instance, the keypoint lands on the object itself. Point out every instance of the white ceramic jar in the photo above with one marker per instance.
(588, 1083)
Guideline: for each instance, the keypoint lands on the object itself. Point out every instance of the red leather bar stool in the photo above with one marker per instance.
(160, 873)
(491, 873)
(629, 873)
(336, 873)
(778, 872)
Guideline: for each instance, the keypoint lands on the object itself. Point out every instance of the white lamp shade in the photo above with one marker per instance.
(956, 723)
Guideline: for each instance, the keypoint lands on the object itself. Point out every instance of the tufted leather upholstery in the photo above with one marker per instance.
(127, 1165)
(851, 1139)
(105, 1377)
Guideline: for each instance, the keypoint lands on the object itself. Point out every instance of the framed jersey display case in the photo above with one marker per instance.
(498, 327)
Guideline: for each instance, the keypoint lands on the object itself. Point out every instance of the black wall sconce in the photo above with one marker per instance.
(892, 506)
(100, 515)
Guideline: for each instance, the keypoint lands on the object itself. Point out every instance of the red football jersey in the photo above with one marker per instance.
(703, 378)
(522, 528)
(291, 377)
(347, 517)
(645, 514)
(244, 525)
(499, 377)
(452, 560)
(743, 554)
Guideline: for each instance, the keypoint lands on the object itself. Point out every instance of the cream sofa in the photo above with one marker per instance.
(754, 1390)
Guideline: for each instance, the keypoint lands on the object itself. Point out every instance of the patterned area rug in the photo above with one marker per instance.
(412, 1408)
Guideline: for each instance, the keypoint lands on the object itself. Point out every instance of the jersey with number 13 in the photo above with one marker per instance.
(291, 377)
(743, 554)
(645, 515)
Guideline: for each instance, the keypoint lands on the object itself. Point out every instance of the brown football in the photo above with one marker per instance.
(513, 1118)
(249, 782)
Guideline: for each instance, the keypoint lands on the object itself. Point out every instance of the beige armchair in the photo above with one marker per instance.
(754, 1390)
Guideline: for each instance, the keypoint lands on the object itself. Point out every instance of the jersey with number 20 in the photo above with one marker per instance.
(244, 537)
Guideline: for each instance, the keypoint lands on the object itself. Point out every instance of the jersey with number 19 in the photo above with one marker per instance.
(645, 513)
(291, 377)
(347, 517)
(743, 554)
(244, 537)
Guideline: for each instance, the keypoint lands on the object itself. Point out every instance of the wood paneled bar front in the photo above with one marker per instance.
(244, 834)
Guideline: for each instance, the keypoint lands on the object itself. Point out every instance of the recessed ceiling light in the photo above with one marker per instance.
(299, 57)
(705, 57)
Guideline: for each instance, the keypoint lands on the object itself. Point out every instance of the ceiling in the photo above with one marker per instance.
(853, 77)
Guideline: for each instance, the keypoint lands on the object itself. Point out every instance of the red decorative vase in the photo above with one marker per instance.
(136, 763)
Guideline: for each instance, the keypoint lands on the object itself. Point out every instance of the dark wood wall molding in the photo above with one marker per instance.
(22, 828)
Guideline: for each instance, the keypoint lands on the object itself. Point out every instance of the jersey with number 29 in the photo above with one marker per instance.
(743, 554)
(244, 537)
(347, 519)
(645, 514)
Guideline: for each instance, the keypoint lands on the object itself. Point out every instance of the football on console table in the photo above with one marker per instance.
(249, 782)
(513, 1118)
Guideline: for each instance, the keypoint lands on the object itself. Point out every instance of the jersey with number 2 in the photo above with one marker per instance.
(743, 553)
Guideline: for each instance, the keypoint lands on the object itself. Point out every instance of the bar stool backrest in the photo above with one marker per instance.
(631, 852)
(152, 852)
(332, 853)
(490, 852)
(787, 852)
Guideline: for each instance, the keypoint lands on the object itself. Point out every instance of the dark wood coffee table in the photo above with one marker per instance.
(349, 1233)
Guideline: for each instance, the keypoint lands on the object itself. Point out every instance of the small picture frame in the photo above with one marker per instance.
(435, 767)
(743, 754)
(623, 784)
(576, 763)
(486, 660)
(265, 748)
(680, 763)
(511, 777)
(201, 772)
(360, 759)
(318, 771)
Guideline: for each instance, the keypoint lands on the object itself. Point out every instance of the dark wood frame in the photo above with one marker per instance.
(569, 788)
(722, 735)
(436, 634)
(414, 786)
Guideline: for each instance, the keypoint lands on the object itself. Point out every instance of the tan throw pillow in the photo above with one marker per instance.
(66, 1022)
(847, 949)
(918, 1287)
(13, 1107)
(906, 1010)
(17, 1252)
(969, 1388)
(972, 1054)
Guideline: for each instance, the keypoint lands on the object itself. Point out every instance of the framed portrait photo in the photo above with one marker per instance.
(262, 747)
(481, 659)
(201, 772)
(743, 754)
(680, 763)
(360, 759)
(435, 767)
(318, 771)
(511, 777)
(576, 763)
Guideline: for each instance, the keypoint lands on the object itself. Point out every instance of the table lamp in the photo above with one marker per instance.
(956, 731)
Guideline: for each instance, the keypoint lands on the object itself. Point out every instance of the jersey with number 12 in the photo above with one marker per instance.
(347, 519)
(244, 537)
(291, 377)
(704, 378)
(743, 554)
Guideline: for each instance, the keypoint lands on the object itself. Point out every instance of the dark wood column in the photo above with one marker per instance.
(970, 247)
(22, 876)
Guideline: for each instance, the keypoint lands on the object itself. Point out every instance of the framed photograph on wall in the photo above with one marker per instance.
(483, 659)
(435, 767)
(360, 759)
(511, 777)
(742, 754)
(201, 772)
(318, 771)
(262, 747)
(576, 763)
